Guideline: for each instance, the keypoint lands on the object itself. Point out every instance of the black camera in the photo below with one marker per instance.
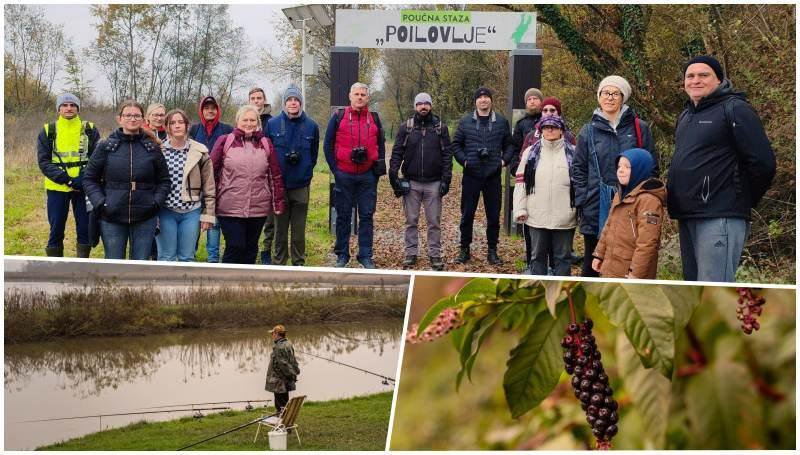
(483, 153)
(292, 157)
(404, 185)
(358, 154)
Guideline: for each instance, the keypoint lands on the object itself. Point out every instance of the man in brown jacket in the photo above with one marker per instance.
(628, 246)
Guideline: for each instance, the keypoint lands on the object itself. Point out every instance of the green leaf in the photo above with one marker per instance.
(723, 409)
(684, 300)
(485, 327)
(645, 314)
(434, 311)
(465, 347)
(649, 391)
(536, 364)
(477, 289)
(552, 289)
(504, 286)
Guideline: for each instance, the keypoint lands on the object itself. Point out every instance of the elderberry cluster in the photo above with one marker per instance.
(750, 307)
(447, 321)
(590, 382)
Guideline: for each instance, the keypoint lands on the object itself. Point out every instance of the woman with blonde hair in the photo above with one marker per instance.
(249, 185)
(190, 205)
(154, 120)
(127, 181)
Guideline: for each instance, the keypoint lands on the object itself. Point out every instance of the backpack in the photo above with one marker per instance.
(340, 115)
(437, 128)
(229, 138)
(50, 131)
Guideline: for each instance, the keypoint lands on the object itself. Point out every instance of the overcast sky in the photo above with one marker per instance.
(257, 20)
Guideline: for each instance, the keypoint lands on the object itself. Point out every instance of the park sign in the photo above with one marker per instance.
(434, 29)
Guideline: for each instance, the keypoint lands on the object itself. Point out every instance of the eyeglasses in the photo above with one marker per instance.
(550, 110)
(610, 95)
(158, 115)
(132, 116)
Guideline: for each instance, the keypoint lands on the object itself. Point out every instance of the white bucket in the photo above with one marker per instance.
(277, 440)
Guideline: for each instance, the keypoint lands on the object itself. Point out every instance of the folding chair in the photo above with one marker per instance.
(286, 420)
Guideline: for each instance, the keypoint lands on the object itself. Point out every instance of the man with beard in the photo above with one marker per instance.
(422, 152)
(533, 113)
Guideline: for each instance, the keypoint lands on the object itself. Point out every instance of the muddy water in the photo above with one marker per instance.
(123, 374)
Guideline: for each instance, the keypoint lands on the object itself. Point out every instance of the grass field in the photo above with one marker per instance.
(359, 423)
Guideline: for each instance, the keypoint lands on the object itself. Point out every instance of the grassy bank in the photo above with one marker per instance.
(359, 423)
(110, 310)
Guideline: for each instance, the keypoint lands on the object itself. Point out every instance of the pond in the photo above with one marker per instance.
(82, 377)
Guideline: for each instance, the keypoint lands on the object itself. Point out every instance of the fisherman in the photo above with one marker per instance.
(283, 368)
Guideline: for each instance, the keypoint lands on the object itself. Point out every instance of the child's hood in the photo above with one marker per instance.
(653, 186)
(642, 165)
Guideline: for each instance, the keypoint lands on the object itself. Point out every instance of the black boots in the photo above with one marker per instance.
(409, 261)
(55, 251)
(463, 255)
(83, 251)
(437, 264)
(493, 258)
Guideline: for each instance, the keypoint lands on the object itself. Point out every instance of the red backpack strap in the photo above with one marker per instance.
(638, 127)
(267, 145)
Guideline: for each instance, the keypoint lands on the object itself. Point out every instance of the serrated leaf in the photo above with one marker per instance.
(723, 409)
(477, 289)
(684, 300)
(536, 364)
(645, 314)
(552, 290)
(434, 311)
(650, 392)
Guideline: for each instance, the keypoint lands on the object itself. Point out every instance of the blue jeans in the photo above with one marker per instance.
(711, 247)
(57, 211)
(116, 236)
(178, 236)
(212, 243)
(361, 191)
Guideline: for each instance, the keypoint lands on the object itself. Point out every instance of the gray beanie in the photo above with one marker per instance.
(618, 82)
(533, 92)
(67, 98)
(292, 91)
(423, 98)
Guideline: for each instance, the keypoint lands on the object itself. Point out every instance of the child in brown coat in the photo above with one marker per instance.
(629, 244)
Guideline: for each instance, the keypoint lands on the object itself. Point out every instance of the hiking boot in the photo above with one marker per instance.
(342, 261)
(437, 264)
(266, 258)
(575, 259)
(82, 250)
(367, 263)
(409, 260)
(463, 255)
(55, 251)
(492, 257)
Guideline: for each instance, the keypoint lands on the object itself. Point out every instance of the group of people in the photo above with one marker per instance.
(603, 181)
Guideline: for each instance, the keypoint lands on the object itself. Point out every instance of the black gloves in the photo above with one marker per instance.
(379, 168)
(444, 188)
(76, 183)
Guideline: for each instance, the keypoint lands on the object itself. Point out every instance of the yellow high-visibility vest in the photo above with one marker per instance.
(69, 140)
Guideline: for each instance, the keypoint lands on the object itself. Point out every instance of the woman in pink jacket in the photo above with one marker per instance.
(249, 186)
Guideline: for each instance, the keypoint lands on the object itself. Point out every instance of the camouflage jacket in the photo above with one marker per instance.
(283, 368)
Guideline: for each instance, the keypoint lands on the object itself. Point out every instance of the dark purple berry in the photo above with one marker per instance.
(592, 410)
(572, 329)
(598, 387)
(603, 412)
(586, 348)
(607, 401)
(589, 373)
(597, 365)
(582, 360)
(611, 431)
(602, 377)
(585, 385)
(584, 396)
(597, 433)
(613, 405)
(570, 369)
(576, 382)
(579, 370)
(584, 406)
(588, 324)
(600, 423)
(597, 399)
(612, 417)
(566, 341)
(591, 419)
(609, 391)
(568, 357)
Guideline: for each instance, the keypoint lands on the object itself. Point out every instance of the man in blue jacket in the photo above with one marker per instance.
(296, 139)
(207, 132)
(722, 166)
(483, 146)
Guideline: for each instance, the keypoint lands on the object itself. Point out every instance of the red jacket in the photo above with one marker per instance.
(356, 128)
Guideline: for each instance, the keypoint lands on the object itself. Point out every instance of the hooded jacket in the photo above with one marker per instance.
(608, 143)
(422, 154)
(283, 368)
(721, 166)
(470, 137)
(300, 134)
(631, 238)
(207, 132)
(127, 177)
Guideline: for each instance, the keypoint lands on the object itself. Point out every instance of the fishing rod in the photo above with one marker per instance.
(123, 414)
(205, 404)
(385, 378)
(226, 432)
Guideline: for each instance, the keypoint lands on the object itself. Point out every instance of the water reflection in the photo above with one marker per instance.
(105, 375)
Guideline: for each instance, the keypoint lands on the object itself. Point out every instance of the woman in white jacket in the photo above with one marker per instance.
(544, 199)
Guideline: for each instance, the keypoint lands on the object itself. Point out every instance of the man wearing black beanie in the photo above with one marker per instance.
(722, 166)
(482, 145)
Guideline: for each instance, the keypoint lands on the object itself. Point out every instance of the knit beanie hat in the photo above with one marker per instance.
(552, 101)
(552, 120)
(67, 98)
(710, 61)
(533, 92)
(618, 82)
(422, 98)
(292, 91)
(481, 92)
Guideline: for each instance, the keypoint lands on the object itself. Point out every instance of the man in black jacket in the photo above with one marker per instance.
(422, 151)
(483, 146)
(533, 113)
(722, 166)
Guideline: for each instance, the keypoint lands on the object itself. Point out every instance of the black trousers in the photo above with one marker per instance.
(590, 243)
(241, 238)
(281, 399)
(471, 189)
